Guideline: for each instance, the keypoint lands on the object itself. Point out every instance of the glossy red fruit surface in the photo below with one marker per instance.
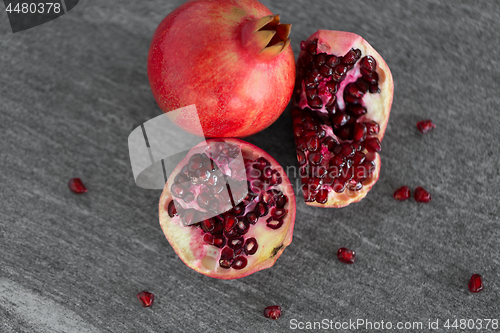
(230, 58)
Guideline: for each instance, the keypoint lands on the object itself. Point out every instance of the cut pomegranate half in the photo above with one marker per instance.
(248, 236)
(343, 97)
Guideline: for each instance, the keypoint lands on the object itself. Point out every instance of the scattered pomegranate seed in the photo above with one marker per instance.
(272, 312)
(402, 193)
(476, 283)
(146, 298)
(421, 195)
(425, 126)
(76, 186)
(346, 256)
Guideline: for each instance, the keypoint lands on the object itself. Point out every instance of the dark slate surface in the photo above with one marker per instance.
(71, 91)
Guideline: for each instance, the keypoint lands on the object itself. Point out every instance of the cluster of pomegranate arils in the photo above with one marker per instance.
(227, 230)
(325, 162)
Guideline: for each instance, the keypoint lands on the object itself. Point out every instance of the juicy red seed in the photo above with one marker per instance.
(229, 222)
(311, 47)
(322, 196)
(261, 163)
(353, 90)
(242, 227)
(339, 72)
(188, 197)
(315, 158)
(208, 238)
(356, 110)
(421, 195)
(319, 59)
(325, 70)
(281, 201)
(301, 158)
(332, 87)
(313, 143)
(350, 57)
(319, 171)
(204, 200)
(347, 150)
(402, 193)
(315, 183)
(252, 218)
(374, 89)
(311, 93)
(298, 130)
(346, 256)
(329, 142)
(359, 132)
(362, 85)
(340, 119)
(208, 225)
(272, 312)
(274, 223)
(219, 241)
(332, 61)
(358, 158)
(476, 283)
(339, 184)
(278, 213)
(368, 62)
(425, 126)
(261, 209)
(337, 161)
(171, 209)
(239, 262)
(250, 246)
(315, 103)
(178, 190)
(76, 186)
(372, 79)
(372, 128)
(146, 298)
(235, 242)
(373, 145)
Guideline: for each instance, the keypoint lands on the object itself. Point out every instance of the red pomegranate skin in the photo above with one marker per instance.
(198, 55)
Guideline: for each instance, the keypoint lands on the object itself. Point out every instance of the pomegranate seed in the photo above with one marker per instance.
(272, 312)
(402, 193)
(322, 196)
(251, 246)
(229, 222)
(421, 195)
(171, 209)
(346, 256)
(239, 262)
(146, 298)
(373, 145)
(76, 186)
(425, 126)
(359, 132)
(372, 127)
(274, 223)
(368, 62)
(476, 283)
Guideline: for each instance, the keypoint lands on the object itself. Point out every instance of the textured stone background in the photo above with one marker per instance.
(71, 91)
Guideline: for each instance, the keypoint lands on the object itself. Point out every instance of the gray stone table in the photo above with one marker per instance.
(71, 91)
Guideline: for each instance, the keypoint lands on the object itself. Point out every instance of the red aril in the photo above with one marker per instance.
(272, 312)
(421, 195)
(343, 97)
(425, 126)
(247, 236)
(476, 283)
(346, 256)
(402, 193)
(76, 186)
(232, 59)
(146, 298)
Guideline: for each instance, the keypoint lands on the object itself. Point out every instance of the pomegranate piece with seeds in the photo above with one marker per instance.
(346, 256)
(402, 193)
(272, 312)
(425, 126)
(214, 226)
(146, 298)
(476, 283)
(76, 186)
(343, 96)
(421, 195)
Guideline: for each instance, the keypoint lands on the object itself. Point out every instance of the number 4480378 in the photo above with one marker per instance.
(32, 8)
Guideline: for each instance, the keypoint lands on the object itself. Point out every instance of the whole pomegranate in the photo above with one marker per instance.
(343, 98)
(212, 239)
(231, 58)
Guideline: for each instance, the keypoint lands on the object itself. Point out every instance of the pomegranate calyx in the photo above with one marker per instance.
(267, 36)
